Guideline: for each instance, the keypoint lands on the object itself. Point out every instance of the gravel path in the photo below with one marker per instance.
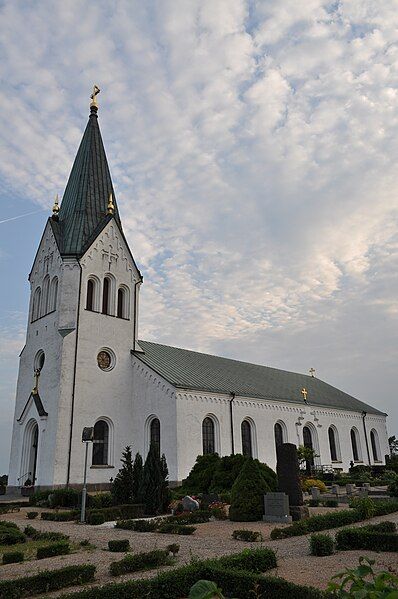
(210, 540)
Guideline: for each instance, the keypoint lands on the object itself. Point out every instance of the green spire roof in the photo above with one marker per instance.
(83, 212)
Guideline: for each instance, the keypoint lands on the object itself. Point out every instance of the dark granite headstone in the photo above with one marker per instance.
(287, 470)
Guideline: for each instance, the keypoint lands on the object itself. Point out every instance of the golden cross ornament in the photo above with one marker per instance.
(304, 393)
(96, 91)
(312, 372)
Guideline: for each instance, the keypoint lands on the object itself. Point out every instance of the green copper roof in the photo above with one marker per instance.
(83, 211)
(202, 372)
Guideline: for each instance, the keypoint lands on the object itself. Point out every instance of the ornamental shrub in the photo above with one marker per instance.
(39, 498)
(35, 534)
(12, 557)
(307, 483)
(32, 515)
(173, 548)
(363, 538)
(176, 529)
(67, 497)
(321, 544)
(138, 468)
(138, 525)
(196, 517)
(122, 487)
(140, 561)
(393, 486)
(11, 536)
(60, 548)
(201, 475)
(247, 495)
(119, 545)
(331, 503)
(251, 536)
(382, 527)
(313, 502)
(96, 518)
(364, 506)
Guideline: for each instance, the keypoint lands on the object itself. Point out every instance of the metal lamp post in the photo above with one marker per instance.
(87, 437)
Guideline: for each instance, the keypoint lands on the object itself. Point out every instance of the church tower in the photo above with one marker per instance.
(75, 369)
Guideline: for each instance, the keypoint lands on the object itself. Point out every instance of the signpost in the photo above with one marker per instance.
(87, 437)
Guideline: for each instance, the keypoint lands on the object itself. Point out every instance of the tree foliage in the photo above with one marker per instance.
(122, 488)
(247, 495)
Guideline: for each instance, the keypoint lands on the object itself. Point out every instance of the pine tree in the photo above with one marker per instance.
(247, 494)
(152, 482)
(165, 491)
(137, 478)
(122, 488)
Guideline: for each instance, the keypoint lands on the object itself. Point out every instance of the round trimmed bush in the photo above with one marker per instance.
(321, 545)
(247, 494)
(119, 545)
(307, 483)
(32, 515)
(96, 518)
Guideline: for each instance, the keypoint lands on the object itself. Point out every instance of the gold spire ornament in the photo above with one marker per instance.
(96, 91)
(56, 206)
(111, 205)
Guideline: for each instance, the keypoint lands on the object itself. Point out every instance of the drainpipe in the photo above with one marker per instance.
(366, 437)
(232, 422)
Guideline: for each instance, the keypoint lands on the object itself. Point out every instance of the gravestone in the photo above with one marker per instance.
(189, 504)
(276, 508)
(287, 470)
(315, 492)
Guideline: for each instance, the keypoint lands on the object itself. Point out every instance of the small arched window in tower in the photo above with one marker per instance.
(106, 296)
(154, 434)
(246, 429)
(355, 444)
(100, 443)
(332, 444)
(90, 295)
(53, 294)
(208, 434)
(45, 296)
(36, 304)
(374, 441)
(278, 433)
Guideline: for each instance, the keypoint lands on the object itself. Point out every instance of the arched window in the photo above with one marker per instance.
(101, 443)
(332, 444)
(247, 449)
(106, 296)
(278, 433)
(123, 301)
(53, 294)
(90, 295)
(374, 440)
(208, 435)
(154, 433)
(356, 449)
(36, 304)
(44, 296)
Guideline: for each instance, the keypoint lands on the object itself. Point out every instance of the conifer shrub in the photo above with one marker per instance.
(247, 495)
(12, 557)
(138, 468)
(140, 561)
(321, 544)
(201, 475)
(59, 548)
(119, 545)
(122, 487)
(152, 484)
(250, 536)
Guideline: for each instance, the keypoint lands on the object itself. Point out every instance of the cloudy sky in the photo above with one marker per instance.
(254, 151)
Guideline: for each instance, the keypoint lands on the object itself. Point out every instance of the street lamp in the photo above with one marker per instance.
(87, 437)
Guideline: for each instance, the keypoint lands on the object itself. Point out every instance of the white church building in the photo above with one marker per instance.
(83, 365)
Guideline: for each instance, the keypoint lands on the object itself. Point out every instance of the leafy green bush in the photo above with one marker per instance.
(32, 515)
(138, 525)
(331, 503)
(10, 535)
(39, 498)
(196, 517)
(95, 518)
(393, 486)
(99, 500)
(120, 512)
(307, 483)
(382, 527)
(140, 561)
(313, 502)
(251, 536)
(247, 495)
(35, 534)
(201, 475)
(363, 582)
(119, 545)
(363, 538)
(11, 557)
(176, 529)
(364, 506)
(67, 497)
(321, 544)
(59, 548)
(47, 581)
(5, 524)
(67, 516)
(173, 548)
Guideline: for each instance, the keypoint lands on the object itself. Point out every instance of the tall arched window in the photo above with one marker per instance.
(247, 449)
(101, 443)
(374, 441)
(53, 294)
(44, 296)
(90, 295)
(208, 435)
(154, 434)
(356, 451)
(332, 444)
(36, 304)
(278, 433)
(106, 296)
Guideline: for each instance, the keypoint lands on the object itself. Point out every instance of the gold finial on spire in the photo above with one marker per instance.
(111, 205)
(56, 206)
(96, 91)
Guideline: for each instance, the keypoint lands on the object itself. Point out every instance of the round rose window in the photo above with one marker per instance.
(104, 360)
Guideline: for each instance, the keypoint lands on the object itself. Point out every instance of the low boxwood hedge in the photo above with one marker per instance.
(44, 582)
(321, 544)
(65, 516)
(250, 536)
(60, 548)
(138, 525)
(32, 515)
(140, 561)
(176, 529)
(382, 527)
(363, 538)
(119, 545)
(196, 517)
(35, 534)
(95, 518)
(11, 557)
(10, 534)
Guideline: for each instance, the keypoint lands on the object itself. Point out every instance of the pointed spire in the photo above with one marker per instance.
(85, 207)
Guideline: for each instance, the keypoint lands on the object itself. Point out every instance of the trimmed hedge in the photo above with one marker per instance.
(176, 529)
(331, 520)
(140, 561)
(321, 544)
(12, 557)
(60, 516)
(11, 535)
(119, 545)
(35, 534)
(251, 536)
(120, 512)
(331, 503)
(196, 517)
(138, 525)
(363, 538)
(95, 518)
(44, 582)
(382, 527)
(32, 515)
(60, 548)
